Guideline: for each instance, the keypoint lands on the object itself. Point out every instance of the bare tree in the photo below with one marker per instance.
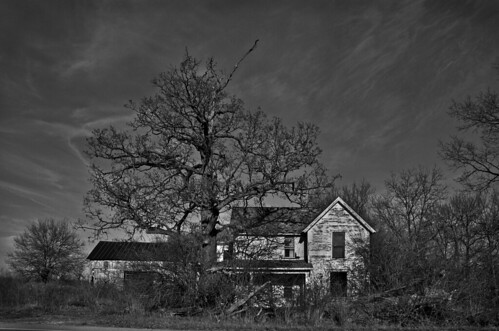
(357, 195)
(467, 247)
(405, 225)
(191, 153)
(47, 249)
(407, 205)
(479, 159)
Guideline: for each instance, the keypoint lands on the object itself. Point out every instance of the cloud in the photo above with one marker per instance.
(6, 246)
(70, 133)
(25, 193)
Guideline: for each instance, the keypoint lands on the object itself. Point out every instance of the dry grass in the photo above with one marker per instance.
(85, 316)
(106, 305)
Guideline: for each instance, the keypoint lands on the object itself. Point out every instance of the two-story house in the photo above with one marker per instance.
(291, 248)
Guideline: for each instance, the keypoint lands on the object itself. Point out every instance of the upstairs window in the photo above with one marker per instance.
(289, 247)
(338, 245)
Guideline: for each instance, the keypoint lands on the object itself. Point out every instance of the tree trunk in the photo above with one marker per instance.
(209, 218)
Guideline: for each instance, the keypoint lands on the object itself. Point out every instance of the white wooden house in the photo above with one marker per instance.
(292, 248)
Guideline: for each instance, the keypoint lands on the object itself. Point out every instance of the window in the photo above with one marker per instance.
(339, 284)
(289, 247)
(338, 245)
(227, 255)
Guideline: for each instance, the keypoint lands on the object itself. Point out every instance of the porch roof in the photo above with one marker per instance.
(266, 265)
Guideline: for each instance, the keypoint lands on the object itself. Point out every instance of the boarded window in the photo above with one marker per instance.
(289, 247)
(339, 284)
(338, 245)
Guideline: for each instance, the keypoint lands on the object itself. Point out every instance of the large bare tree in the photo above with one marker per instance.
(191, 153)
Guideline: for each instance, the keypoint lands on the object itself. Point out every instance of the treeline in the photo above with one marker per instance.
(433, 244)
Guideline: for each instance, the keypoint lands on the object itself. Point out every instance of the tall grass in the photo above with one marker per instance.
(114, 306)
(56, 296)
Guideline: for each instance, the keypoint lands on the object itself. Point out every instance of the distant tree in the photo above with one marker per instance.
(407, 206)
(192, 152)
(404, 215)
(46, 250)
(459, 229)
(357, 195)
(467, 247)
(479, 159)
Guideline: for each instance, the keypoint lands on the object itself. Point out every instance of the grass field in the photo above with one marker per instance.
(107, 305)
(82, 316)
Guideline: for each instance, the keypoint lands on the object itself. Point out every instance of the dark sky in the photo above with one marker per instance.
(376, 76)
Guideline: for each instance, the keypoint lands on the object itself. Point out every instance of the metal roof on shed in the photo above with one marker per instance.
(129, 251)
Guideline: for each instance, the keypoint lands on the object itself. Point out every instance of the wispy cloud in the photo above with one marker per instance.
(24, 192)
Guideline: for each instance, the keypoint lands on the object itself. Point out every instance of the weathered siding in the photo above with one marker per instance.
(108, 271)
(320, 245)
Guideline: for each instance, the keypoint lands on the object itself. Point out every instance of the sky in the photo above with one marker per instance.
(377, 77)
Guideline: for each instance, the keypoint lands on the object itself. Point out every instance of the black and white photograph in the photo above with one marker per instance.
(249, 165)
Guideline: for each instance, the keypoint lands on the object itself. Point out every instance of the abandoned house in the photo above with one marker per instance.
(292, 248)
(286, 246)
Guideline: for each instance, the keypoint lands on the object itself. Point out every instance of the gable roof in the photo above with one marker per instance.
(347, 208)
(269, 220)
(272, 221)
(129, 251)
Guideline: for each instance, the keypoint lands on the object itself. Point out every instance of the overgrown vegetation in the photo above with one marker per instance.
(111, 305)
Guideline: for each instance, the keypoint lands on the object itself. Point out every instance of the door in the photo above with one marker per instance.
(339, 283)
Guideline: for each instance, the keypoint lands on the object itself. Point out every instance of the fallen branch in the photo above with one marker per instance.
(394, 291)
(239, 303)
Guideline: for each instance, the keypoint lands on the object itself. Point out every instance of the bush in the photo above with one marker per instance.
(12, 293)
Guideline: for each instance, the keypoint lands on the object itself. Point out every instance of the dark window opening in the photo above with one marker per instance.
(338, 245)
(289, 247)
(339, 284)
(227, 255)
